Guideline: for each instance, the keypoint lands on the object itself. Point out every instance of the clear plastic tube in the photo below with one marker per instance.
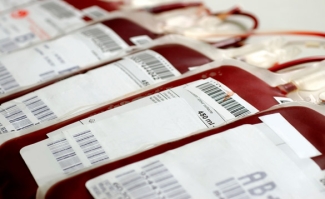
(311, 80)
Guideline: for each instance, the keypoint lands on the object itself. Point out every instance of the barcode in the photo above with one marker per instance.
(3, 129)
(69, 70)
(154, 67)
(57, 10)
(91, 147)
(39, 109)
(47, 75)
(16, 117)
(7, 81)
(222, 98)
(96, 14)
(104, 41)
(142, 41)
(65, 156)
(8, 46)
(154, 181)
(231, 189)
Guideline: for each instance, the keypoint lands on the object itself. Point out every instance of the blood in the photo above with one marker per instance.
(17, 181)
(14, 175)
(308, 122)
(125, 29)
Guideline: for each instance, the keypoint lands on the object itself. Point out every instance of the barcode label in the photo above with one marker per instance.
(152, 65)
(16, 117)
(222, 98)
(48, 75)
(102, 39)
(231, 189)
(8, 46)
(95, 12)
(7, 81)
(65, 155)
(91, 147)
(3, 129)
(57, 10)
(141, 40)
(155, 181)
(39, 109)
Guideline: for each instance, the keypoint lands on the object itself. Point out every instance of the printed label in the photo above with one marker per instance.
(180, 113)
(65, 55)
(238, 163)
(147, 67)
(102, 139)
(151, 180)
(221, 98)
(40, 21)
(95, 12)
(141, 40)
(76, 93)
(10, 4)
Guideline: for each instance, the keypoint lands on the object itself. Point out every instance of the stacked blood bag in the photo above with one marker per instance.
(157, 99)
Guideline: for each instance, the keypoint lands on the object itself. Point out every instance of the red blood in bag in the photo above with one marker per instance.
(123, 27)
(115, 5)
(106, 5)
(14, 172)
(15, 179)
(308, 122)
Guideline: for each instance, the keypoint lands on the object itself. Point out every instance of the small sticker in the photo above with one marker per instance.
(282, 100)
(298, 143)
(95, 12)
(141, 40)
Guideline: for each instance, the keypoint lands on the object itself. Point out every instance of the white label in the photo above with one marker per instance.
(290, 135)
(134, 127)
(65, 55)
(282, 100)
(80, 92)
(37, 22)
(10, 4)
(307, 165)
(95, 12)
(238, 163)
(148, 67)
(141, 40)
(130, 130)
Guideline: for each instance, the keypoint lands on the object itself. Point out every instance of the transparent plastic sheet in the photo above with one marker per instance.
(277, 50)
(205, 49)
(42, 191)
